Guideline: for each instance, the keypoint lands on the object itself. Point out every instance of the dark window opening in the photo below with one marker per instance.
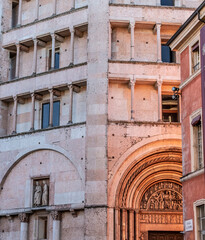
(56, 59)
(167, 2)
(195, 57)
(14, 21)
(12, 57)
(46, 114)
(168, 55)
(169, 109)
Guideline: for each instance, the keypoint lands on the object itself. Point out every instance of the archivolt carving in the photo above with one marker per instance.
(163, 196)
(140, 167)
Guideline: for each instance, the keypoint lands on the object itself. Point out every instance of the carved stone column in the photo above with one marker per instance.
(35, 41)
(132, 84)
(132, 47)
(15, 114)
(24, 218)
(51, 108)
(117, 224)
(20, 13)
(54, 6)
(159, 88)
(124, 224)
(17, 60)
(56, 224)
(72, 32)
(53, 51)
(159, 57)
(73, 4)
(131, 232)
(32, 111)
(37, 10)
(70, 120)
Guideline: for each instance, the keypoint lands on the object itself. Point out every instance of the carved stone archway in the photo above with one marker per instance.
(149, 197)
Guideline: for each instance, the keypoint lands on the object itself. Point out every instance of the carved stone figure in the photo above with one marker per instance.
(45, 194)
(37, 195)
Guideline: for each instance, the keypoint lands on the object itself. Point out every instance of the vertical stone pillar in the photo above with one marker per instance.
(24, 218)
(32, 111)
(56, 216)
(159, 88)
(37, 10)
(132, 47)
(137, 224)
(53, 51)
(111, 226)
(159, 55)
(110, 41)
(132, 84)
(179, 109)
(72, 32)
(70, 104)
(17, 60)
(51, 108)
(117, 224)
(20, 13)
(54, 6)
(15, 114)
(131, 232)
(35, 48)
(124, 224)
(73, 4)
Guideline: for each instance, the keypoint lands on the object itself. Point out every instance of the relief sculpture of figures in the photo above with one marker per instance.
(37, 195)
(45, 194)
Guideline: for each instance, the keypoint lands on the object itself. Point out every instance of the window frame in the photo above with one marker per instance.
(57, 50)
(196, 206)
(36, 227)
(168, 5)
(178, 107)
(191, 44)
(193, 147)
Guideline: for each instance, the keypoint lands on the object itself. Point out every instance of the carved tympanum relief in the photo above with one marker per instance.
(163, 196)
(40, 192)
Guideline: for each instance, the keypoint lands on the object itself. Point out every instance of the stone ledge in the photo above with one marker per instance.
(143, 62)
(143, 123)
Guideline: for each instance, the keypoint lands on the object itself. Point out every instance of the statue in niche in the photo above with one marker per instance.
(45, 194)
(37, 195)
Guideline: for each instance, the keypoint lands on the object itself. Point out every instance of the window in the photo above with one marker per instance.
(201, 222)
(46, 114)
(197, 142)
(12, 65)
(56, 59)
(15, 7)
(195, 57)
(169, 109)
(168, 55)
(167, 2)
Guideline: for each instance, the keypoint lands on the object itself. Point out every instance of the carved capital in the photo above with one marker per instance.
(23, 217)
(56, 215)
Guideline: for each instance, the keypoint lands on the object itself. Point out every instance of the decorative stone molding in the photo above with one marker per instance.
(56, 215)
(159, 218)
(23, 217)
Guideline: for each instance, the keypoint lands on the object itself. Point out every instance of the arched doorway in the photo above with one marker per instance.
(148, 203)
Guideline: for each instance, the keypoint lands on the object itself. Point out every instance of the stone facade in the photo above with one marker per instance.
(88, 133)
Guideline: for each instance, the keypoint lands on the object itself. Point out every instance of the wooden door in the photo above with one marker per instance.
(165, 236)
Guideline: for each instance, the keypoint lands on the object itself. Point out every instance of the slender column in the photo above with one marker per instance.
(70, 104)
(20, 12)
(117, 224)
(137, 216)
(110, 41)
(73, 4)
(15, 114)
(132, 48)
(24, 226)
(35, 41)
(53, 51)
(54, 6)
(17, 60)
(159, 87)
(159, 57)
(72, 31)
(51, 108)
(131, 232)
(132, 84)
(56, 224)
(32, 111)
(111, 217)
(179, 109)
(37, 10)
(124, 224)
